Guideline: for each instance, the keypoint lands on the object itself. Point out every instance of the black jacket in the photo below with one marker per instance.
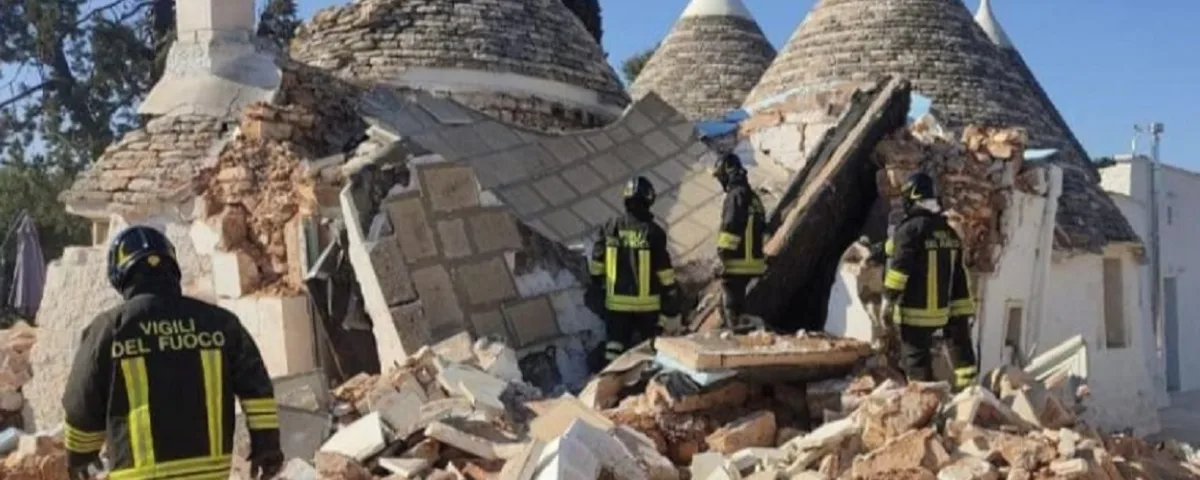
(740, 241)
(155, 378)
(630, 261)
(926, 273)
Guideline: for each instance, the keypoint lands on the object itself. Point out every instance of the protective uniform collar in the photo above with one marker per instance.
(639, 211)
(163, 285)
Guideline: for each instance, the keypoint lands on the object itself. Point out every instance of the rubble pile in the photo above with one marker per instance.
(972, 173)
(277, 171)
(15, 372)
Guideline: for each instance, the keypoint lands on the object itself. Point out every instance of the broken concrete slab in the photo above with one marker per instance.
(713, 466)
(754, 430)
(482, 389)
(609, 453)
(808, 449)
(303, 390)
(334, 465)
(298, 469)
(497, 359)
(478, 438)
(524, 465)
(302, 432)
(360, 440)
(917, 449)
(968, 468)
(657, 466)
(405, 467)
(559, 417)
(711, 350)
(401, 413)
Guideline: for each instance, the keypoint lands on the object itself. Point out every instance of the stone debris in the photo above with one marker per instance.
(15, 371)
(974, 174)
(473, 417)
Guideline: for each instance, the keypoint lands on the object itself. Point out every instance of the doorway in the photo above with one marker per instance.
(1171, 333)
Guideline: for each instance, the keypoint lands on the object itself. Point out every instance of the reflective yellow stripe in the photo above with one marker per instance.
(137, 388)
(963, 306)
(214, 395)
(965, 372)
(262, 422)
(666, 277)
(82, 441)
(745, 267)
(198, 468)
(596, 268)
(931, 280)
(261, 413)
(629, 303)
(895, 279)
(747, 246)
(610, 269)
(259, 405)
(643, 273)
(923, 317)
(889, 247)
(727, 241)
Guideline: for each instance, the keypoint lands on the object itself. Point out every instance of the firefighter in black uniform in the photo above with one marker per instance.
(631, 270)
(155, 378)
(926, 286)
(740, 241)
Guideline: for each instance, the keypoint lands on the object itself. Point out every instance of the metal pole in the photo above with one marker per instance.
(1156, 273)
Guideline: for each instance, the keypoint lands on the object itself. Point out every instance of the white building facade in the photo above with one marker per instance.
(1128, 181)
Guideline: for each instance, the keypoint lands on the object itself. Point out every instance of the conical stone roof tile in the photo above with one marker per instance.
(711, 59)
(510, 47)
(938, 46)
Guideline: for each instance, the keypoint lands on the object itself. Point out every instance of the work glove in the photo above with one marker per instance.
(83, 466)
(671, 325)
(266, 465)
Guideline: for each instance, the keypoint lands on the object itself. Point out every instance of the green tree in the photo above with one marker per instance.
(278, 21)
(633, 65)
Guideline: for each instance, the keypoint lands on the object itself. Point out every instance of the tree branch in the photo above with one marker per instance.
(109, 6)
(29, 91)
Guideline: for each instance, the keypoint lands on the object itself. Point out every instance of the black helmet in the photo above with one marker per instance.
(639, 190)
(728, 169)
(919, 186)
(140, 247)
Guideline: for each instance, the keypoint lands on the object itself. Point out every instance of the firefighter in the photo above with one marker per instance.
(155, 378)
(740, 241)
(926, 286)
(631, 269)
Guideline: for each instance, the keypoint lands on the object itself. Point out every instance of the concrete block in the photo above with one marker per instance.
(477, 438)
(593, 210)
(490, 323)
(397, 409)
(438, 300)
(306, 390)
(637, 121)
(409, 326)
(694, 191)
(660, 143)
(234, 274)
(532, 320)
(496, 135)
(619, 133)
(610, 167)
(522, 199)
(754, 430)
(537, 277)
(451, 188)
(567, 459)
(298, 469)
(599, 141)
(465, 142)
(391, 270)
(360, 440)
(561, 457)
(565, 411)
(455, 242)
(672, 171)
(495, 230)
(483, 390)
(282, 328)
(487, 281)
(583, 178)
(405, 467)
(565, 149)
(635, 155)
(411, 226)
(554, 190)
(684, 132)
(302, 432)
(564, 222)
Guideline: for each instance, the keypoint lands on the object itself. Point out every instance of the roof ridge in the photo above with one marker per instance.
(717, 8)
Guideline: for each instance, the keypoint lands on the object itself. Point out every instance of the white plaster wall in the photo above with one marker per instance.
(1122, 390)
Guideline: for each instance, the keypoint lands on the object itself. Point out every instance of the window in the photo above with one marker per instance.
(1114, 305)
(1014, 320)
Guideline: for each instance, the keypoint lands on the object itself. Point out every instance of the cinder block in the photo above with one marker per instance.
(455, 243)
(282, 329)
(391, 270)
(490, 323)
(532, 320)
(451, 188)
(583, 178)
(411, 226)
(636, 155)
(565, 223)
(672, 171)
(637, 121)
(660, 143)
(618, 133)
(593, 210)
(554, 190)
(610, 167)
(438, 300)
(486, 281)
(684, 132)
(565, 149)
(495, 231)
(234, 274)
(522, 199)
(411, 327)
(599, 141)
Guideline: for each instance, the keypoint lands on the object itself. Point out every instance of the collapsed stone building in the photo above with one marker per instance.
(385, 186)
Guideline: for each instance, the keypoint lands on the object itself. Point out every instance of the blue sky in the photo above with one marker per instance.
(1107, 64)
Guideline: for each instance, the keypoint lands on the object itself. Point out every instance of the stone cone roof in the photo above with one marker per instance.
(377, 40)
(938, 46)
(710, 60)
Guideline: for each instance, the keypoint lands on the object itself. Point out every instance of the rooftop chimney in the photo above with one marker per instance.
(214, 67)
